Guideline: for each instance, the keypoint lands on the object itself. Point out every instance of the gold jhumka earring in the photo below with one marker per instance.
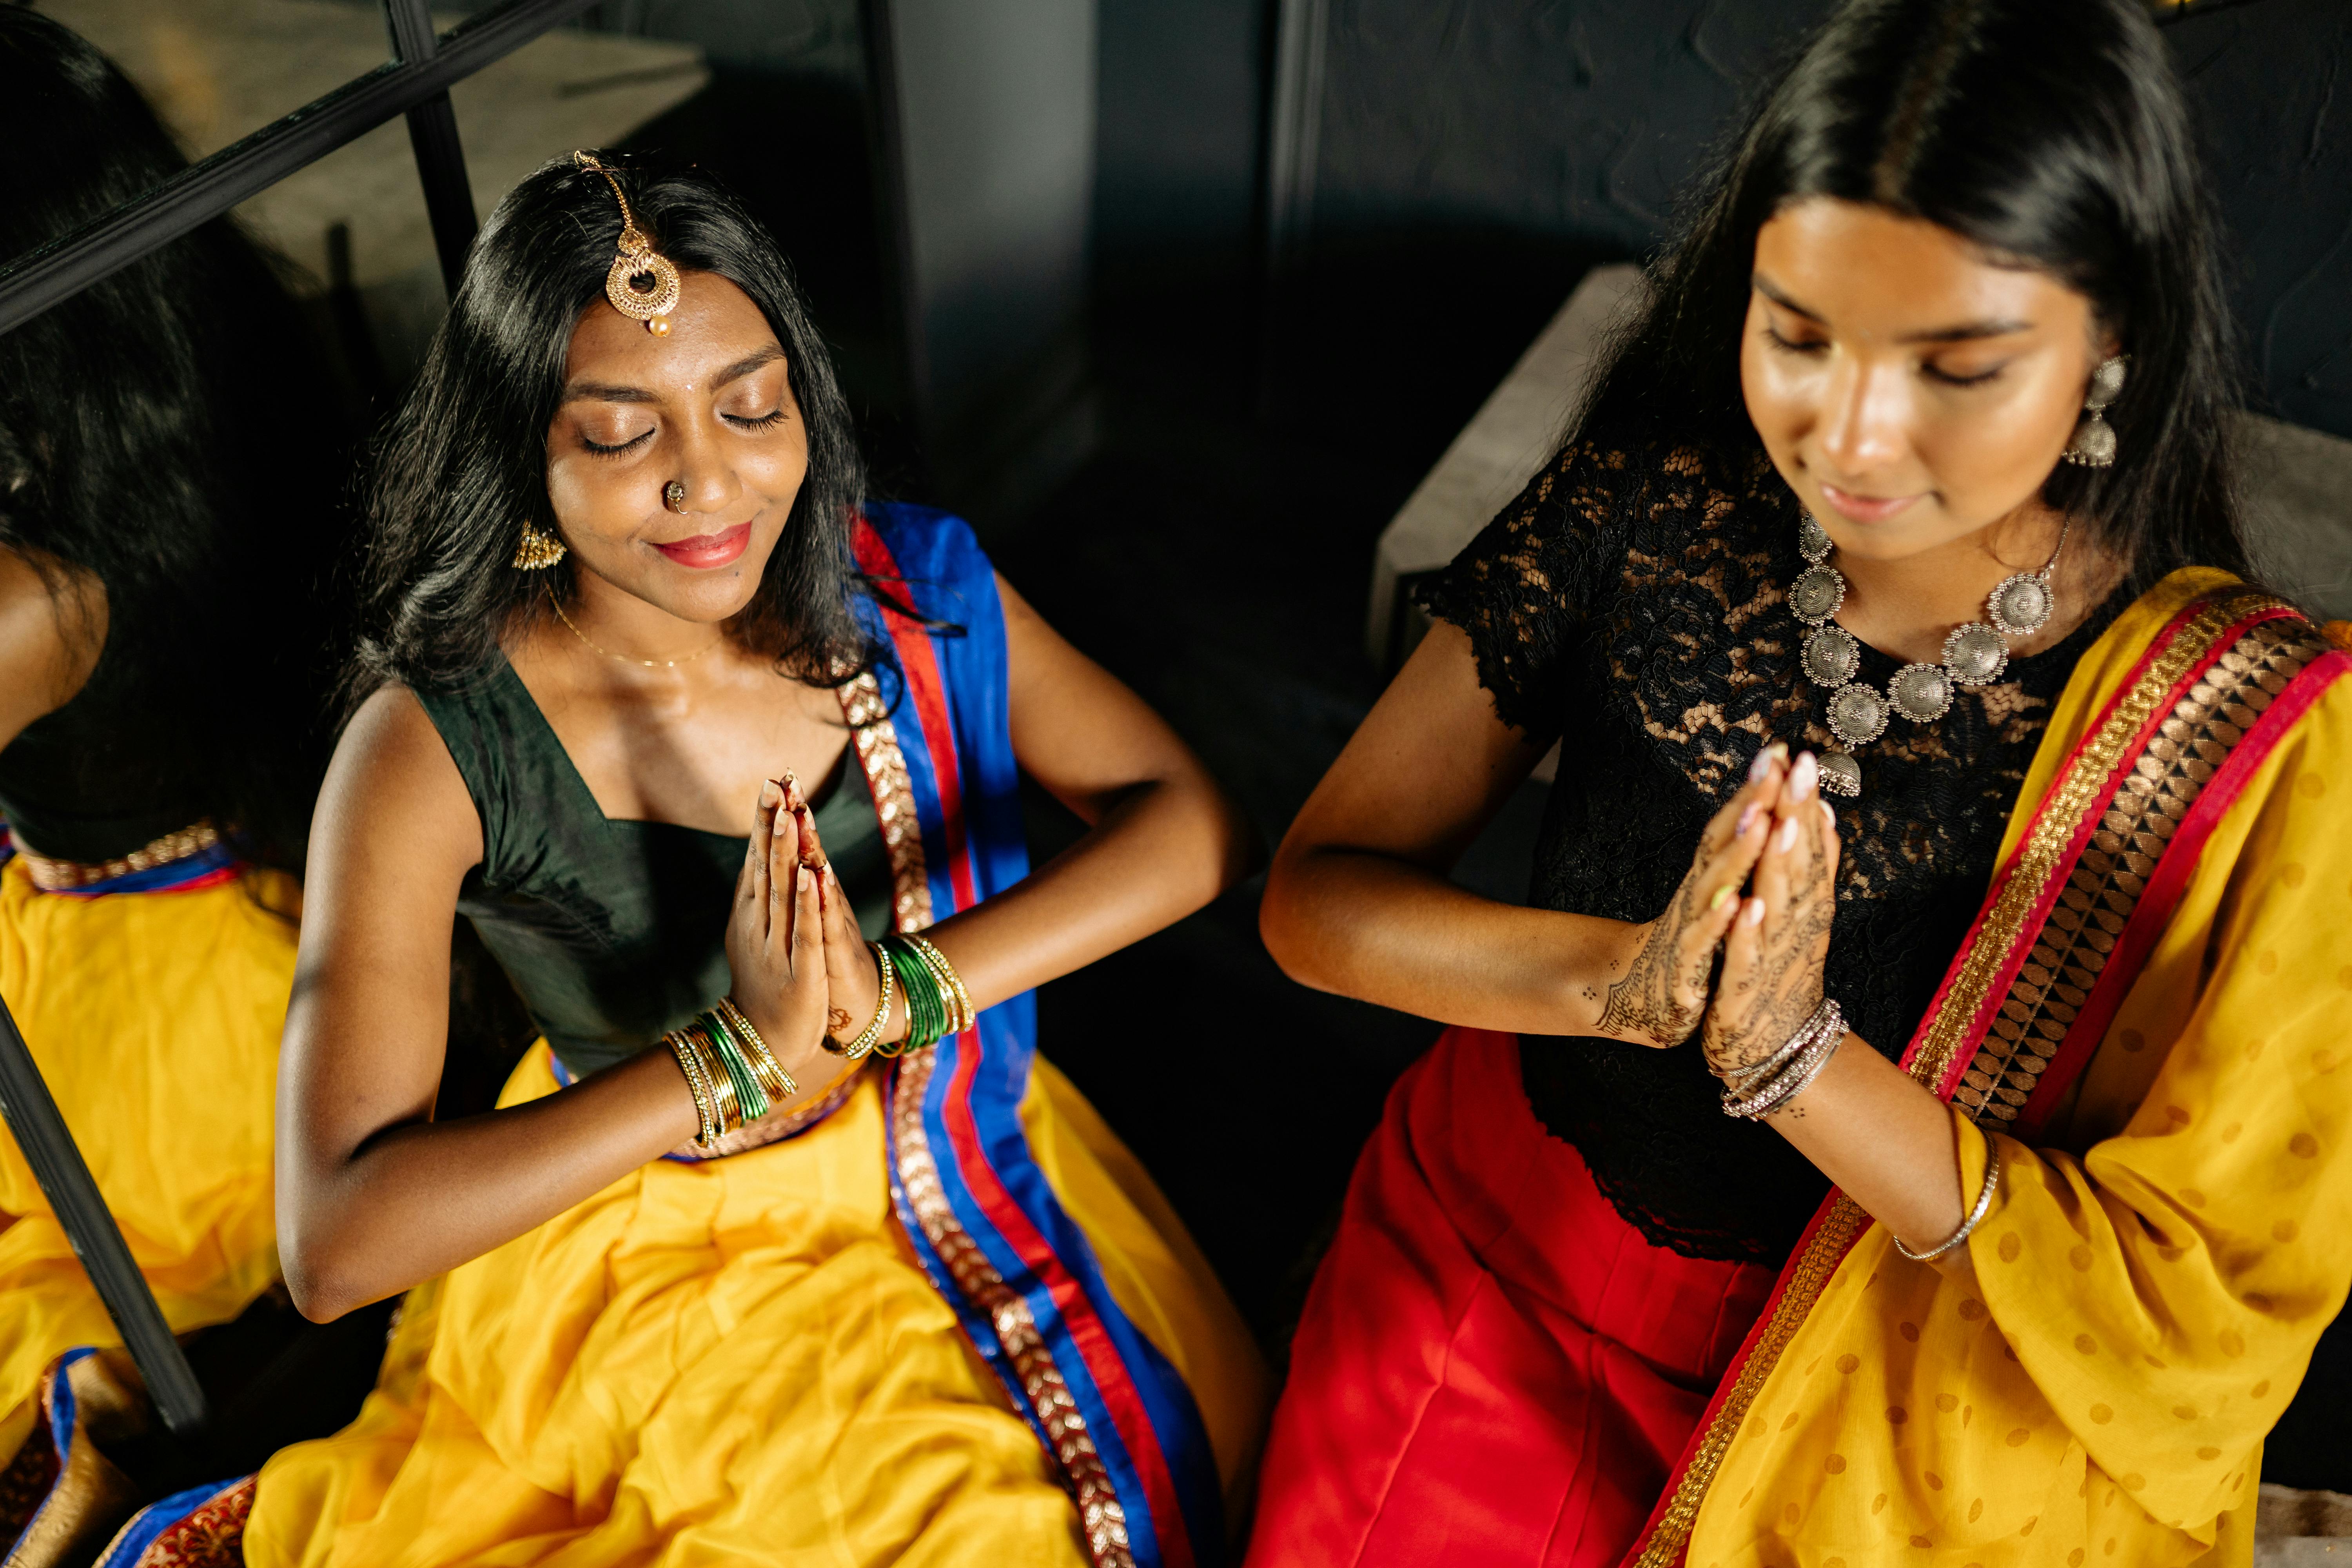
(538, 548)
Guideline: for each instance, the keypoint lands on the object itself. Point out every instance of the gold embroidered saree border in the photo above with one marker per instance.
(2060, 820)
(1069, 1443)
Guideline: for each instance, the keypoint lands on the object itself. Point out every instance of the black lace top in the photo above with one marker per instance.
(1631, 599)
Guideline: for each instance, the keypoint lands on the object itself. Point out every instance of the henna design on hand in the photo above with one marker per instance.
(1774, 997)
(1647, 1002)
(836, 1021)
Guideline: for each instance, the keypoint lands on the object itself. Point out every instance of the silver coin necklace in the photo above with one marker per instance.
(1974, 654)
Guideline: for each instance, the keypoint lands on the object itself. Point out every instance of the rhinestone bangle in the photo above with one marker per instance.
(1984, 1203)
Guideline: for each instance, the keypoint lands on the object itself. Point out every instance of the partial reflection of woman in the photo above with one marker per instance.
(1909, 483)
(167, 523)
(758, 1259)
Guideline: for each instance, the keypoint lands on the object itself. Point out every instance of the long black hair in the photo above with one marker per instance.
(464, 467)
(2051, 136)
(172, 432)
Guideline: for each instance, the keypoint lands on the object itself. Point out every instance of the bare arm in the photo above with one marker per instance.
(1358, 901)
(373, 1193)
(52, 630)
(1164, 838)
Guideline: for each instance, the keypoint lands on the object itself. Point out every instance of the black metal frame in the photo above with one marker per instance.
(415, 82)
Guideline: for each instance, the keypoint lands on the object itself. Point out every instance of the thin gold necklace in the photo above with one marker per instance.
(624, 658)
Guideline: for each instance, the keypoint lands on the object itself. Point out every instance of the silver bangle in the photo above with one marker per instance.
(1789, 1070)
(1984, 1201)
(1757, 1072)
(1791, 1083)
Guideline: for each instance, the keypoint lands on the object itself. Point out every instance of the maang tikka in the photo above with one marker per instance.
(643, 283)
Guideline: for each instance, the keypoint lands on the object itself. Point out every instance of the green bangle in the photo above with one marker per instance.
(731, 1055)
(926, 1009)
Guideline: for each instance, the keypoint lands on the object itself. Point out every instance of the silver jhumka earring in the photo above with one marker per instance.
(1974, 655)
(2094, 446)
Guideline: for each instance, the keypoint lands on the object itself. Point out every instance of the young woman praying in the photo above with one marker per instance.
(1959, 1176)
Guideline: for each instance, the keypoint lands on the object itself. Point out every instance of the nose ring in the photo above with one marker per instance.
(674, 495)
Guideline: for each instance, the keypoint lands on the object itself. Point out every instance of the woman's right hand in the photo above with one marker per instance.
(1662, 992)
(775, 937)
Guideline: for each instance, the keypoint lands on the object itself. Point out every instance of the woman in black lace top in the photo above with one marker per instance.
(1905, 488)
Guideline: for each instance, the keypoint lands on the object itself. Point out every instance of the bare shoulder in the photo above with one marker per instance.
(394, 802)
(52, 629)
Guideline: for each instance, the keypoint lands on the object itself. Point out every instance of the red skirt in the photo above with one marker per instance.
(1492, 1368)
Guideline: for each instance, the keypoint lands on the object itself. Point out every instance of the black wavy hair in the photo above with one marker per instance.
(2049, 136)
(464, 467)
(172, 431)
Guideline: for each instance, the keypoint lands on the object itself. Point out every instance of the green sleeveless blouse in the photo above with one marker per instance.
(614, 932)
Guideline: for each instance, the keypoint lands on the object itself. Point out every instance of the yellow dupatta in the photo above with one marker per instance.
(2089, 1381)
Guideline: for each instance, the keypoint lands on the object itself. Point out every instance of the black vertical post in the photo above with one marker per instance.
(40, 1131)
(433, 136)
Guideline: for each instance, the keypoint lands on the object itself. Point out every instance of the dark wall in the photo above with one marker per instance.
(1494, 147)
(2273, 82)
(1180, 102)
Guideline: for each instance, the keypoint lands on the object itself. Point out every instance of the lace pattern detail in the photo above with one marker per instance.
(1632, 597)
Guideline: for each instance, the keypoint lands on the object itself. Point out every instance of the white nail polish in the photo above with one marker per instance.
(1802, 777)
(1786, 839)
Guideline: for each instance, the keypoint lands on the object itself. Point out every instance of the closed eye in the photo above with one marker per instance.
(1949, 379)
(757, 422)
(600, 449)
(1790, 345)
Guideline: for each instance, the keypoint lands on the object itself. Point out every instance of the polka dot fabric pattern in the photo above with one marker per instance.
(2094, 1383)
(1632, 599)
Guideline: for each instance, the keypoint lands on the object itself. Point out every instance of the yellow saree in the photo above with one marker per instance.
(2149, 1022)
(139, 1006)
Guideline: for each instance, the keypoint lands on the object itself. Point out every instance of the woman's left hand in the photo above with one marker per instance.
(1772, 957)
(853, 982)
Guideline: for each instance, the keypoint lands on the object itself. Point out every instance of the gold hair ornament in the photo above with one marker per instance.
(643, 283)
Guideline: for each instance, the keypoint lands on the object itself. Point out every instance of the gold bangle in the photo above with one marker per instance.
(779, 1084)
(949, 981)
(723, 1087)
(706, 1109)
(865, 1043)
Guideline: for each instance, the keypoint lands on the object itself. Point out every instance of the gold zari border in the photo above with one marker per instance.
(2037, 860)
(1068, 1441)
(53, 876)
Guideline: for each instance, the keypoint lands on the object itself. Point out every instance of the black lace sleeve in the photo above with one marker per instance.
(1534, 574)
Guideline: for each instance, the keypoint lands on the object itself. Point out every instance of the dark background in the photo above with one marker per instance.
(1254, 423)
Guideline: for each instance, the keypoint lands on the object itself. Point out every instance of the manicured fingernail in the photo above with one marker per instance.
(1760, 766)
(1831, 812)
(1803, 776)
(770, 794)
(1746, 821)
(1722, 896)
(800, 879)
(1786, 839)
(1752, 913)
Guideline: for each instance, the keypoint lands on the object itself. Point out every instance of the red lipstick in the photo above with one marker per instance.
(705, 551)
(1864, 508)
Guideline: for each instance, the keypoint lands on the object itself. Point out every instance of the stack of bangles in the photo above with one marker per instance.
(937, 1004)
(1762, 1088)
(734, 1076)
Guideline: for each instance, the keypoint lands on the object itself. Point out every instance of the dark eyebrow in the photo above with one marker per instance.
(1963, 333)
(603, 391)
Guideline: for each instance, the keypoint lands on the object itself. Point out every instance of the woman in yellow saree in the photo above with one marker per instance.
(1904, 487)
